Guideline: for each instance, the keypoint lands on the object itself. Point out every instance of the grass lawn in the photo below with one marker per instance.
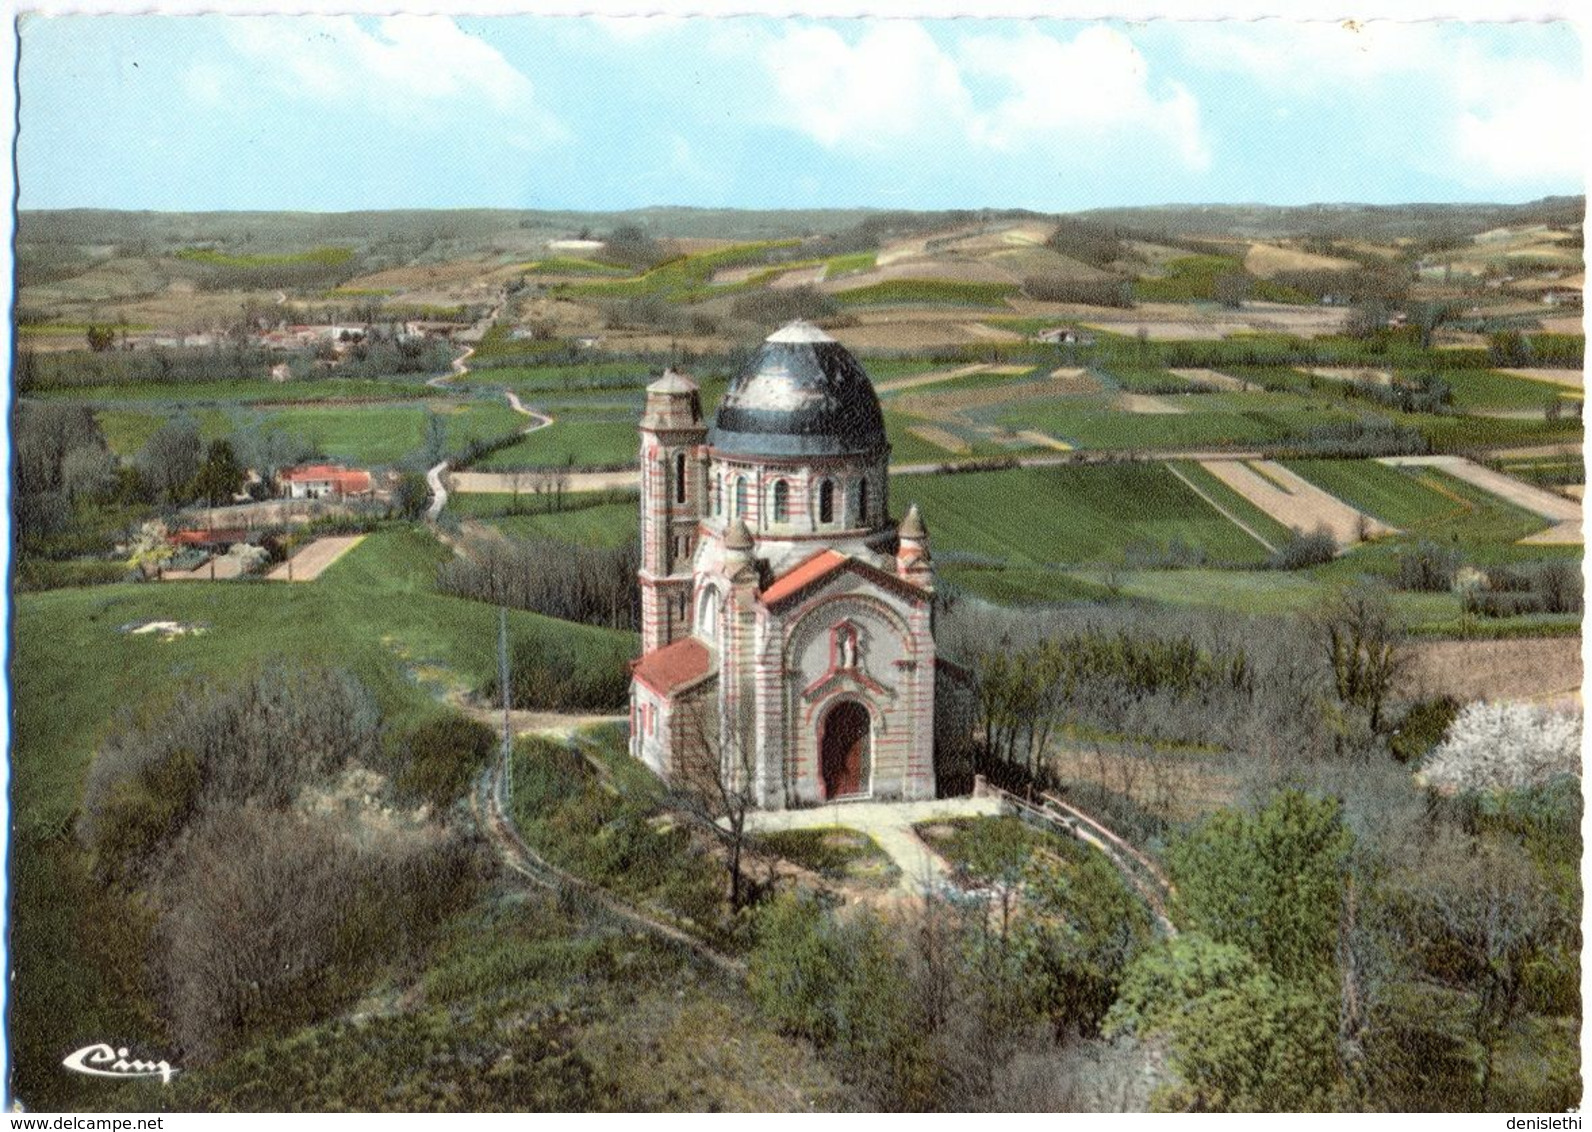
(834, 853)
(1038, 516)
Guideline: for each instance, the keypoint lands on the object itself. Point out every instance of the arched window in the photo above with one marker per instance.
(718, 493)
(707, 618)
(679, 477)
(826, 502)
(781, 501)
(740, 497)
(862, 502)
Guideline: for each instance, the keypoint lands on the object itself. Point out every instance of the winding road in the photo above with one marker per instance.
(434, 476)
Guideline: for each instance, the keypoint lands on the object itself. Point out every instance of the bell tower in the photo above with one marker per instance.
(673, 495)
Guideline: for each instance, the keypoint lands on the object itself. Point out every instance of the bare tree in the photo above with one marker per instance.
(714, 783)
(1366, 646)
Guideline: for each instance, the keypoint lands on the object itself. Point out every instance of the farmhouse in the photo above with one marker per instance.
(787, 619)
(1064, 336)
(324, 481)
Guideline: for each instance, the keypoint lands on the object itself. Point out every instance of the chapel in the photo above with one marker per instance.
(787, 619)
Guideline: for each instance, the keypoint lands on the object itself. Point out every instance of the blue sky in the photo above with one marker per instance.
(321, 113)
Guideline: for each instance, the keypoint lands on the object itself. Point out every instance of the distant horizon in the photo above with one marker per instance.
(325, 114)
(1197, 204)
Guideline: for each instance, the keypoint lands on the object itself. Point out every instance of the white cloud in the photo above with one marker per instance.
(1482, 116)
(407, 67)
(1526, 123)
(894, 82)
(1085, 90)
(990, 93)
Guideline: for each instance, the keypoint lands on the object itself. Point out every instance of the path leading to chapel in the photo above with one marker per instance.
(890, 825)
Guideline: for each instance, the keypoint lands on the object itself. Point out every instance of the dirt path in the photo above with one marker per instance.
(437, 477)
(313, 560)
(1293, 500)
(1565, 513)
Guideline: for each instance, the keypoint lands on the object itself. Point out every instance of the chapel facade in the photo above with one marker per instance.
(787, 619)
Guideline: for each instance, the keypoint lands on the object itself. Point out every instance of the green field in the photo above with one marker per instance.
(1235, 504)
(935, 292)
(1484, 389)
(582, 442)
(1403, 497)
(244, 391)
(127, 430)
(1094, 422)
(1041, 516)
(607, 524)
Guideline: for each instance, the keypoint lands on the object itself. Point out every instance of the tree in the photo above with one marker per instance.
(89, 473)
(411, 495)
(170, 458)
(1242, 1039)
(436, 443)
(1268, 882)
(1503, 746)
(1366, 646)
(715, 783)
(1080, 929)
(1483, 899)
(220, 476)
(100, 338)
(150, 549)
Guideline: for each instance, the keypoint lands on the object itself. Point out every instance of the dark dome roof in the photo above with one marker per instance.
(802, 394)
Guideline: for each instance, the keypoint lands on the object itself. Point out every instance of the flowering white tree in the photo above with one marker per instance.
(250, 558)
(149, 549)
(1502, 746)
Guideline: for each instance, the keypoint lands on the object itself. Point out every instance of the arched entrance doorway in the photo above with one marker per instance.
(843, 741)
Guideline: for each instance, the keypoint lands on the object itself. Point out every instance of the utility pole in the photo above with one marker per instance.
(503, 682)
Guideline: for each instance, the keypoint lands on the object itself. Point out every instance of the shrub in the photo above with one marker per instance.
(1505, 746)
(1428, 568)
(261, 742)
(1303, 551)
(439, 757)
(1422, 728)
(549, 671)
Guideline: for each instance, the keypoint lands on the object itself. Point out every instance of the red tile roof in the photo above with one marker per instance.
(815, 569)
(349, 481)
(207, 538)
(663, 670)
(803, 574)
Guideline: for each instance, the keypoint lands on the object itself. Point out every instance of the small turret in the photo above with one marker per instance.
(912, 551)
(673, 402)
(738, 559)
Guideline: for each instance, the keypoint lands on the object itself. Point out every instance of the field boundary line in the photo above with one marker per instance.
(1224, 512)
